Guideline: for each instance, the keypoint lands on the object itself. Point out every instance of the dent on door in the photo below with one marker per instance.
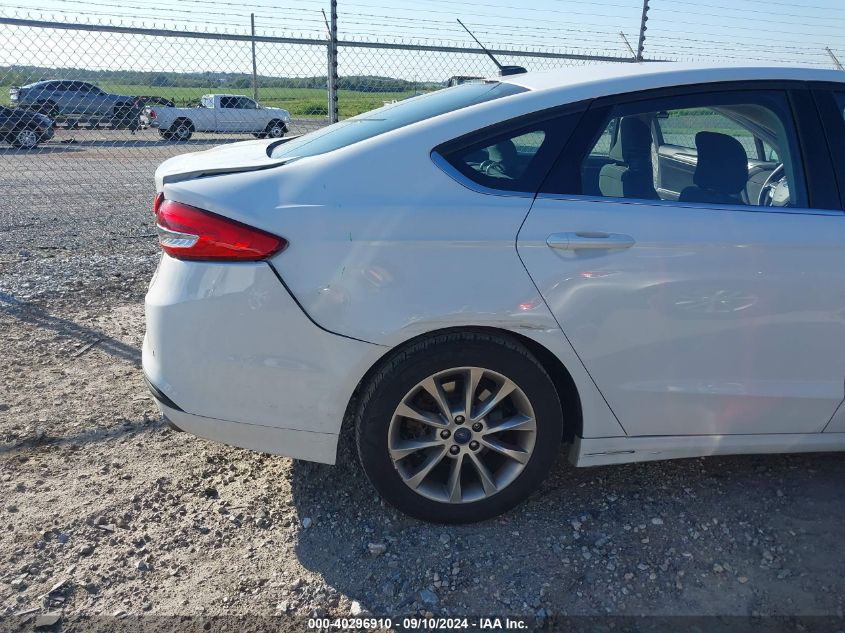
(698, 321)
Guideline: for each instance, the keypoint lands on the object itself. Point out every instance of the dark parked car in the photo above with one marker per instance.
(73, 98)
(24, 129)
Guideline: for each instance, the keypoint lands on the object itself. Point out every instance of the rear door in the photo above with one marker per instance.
(248, 116)
(97, 101)
(65, 97)
(831, 103)
(228, 115)
(85, 99)
(718, 316)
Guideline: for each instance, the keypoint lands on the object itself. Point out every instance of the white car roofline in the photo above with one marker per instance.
(666, 74)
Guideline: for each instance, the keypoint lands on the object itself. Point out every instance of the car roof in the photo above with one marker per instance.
(615, 78)
(50, 81)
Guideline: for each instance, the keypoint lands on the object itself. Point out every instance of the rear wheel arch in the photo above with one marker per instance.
(181, 122)
(564, 384)
(275, 123)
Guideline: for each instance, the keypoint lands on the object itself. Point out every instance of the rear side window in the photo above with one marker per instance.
(514, 156)
(737, 148)
(392, 117)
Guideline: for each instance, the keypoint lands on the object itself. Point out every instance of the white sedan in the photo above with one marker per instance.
(638, 261)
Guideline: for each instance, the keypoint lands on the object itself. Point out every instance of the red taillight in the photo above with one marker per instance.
(186, 232)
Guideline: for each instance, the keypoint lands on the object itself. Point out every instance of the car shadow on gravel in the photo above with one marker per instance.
(89, 337)
(711, 535)
(45, 440)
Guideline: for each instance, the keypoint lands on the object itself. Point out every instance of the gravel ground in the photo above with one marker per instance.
(107, 512)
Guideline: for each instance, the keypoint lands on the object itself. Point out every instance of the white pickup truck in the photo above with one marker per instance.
(219, 113)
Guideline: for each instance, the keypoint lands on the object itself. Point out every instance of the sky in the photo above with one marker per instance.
(796, 31)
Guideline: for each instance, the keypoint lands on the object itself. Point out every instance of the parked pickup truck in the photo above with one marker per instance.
(219, 113)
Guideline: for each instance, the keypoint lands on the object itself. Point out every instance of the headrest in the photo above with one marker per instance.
(633, 141)
(503, 152)
(722, 163)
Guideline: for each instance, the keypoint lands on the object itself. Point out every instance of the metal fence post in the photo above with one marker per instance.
(643, 20)
(332, 78)
(254, 65)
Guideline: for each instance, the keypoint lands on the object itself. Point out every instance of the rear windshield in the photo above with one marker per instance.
(392, 117)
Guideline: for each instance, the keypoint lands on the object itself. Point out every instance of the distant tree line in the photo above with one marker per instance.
(22, 75)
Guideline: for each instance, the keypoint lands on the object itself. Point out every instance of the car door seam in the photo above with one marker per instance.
(554, 316)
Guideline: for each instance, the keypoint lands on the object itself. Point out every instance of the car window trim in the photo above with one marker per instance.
(601, 107)
(831, 118)
(819, 175)
(567, 197)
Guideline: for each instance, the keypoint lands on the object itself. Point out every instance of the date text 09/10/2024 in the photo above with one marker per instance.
(421, 623)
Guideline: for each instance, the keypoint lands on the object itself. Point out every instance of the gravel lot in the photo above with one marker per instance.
(106, 512)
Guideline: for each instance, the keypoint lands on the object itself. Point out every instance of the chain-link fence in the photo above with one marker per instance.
(90, 110)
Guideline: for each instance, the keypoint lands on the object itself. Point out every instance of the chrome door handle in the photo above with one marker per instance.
(589, 240)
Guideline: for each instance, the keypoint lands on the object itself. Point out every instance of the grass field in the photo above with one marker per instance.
(298, 101)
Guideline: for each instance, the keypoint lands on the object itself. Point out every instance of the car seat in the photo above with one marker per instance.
(721, 173)
(631, 174)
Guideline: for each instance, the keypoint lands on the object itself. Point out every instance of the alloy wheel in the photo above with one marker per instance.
(27, 138)
(462, 435)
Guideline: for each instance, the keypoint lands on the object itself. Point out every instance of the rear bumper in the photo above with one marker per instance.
(233, 358)
(314, 447)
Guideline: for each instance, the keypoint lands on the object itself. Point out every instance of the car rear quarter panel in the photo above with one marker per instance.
(384, 246)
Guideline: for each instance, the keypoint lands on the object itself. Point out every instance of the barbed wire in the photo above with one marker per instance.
(692, 28)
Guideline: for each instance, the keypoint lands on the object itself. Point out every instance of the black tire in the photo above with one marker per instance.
(428, 356)
(25, 138)
(165, 134)
(182, 130)
(274, 129)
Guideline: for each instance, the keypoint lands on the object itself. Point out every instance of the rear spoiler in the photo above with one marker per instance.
(281, 141)
(202, 173)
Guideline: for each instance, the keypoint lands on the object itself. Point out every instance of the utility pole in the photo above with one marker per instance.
(332, 78)
(641, 44)
(254, 65)
(834, 58)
